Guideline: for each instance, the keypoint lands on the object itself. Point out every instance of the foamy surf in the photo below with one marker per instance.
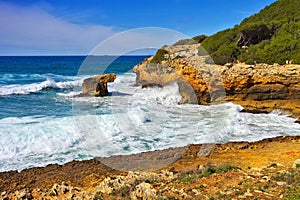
(134, 120)
(23, 89)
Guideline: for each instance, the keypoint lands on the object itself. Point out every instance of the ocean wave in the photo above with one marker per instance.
(29, 76)
(23, 89)
(40, 140)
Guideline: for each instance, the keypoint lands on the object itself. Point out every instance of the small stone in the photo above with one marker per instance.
(145, 191)
(196, 192)
(53, 192)
(281, 184)
(296, 164)
(248, 194)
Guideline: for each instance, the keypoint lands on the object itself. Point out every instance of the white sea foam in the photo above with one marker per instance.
(22, 89)
(131, 120)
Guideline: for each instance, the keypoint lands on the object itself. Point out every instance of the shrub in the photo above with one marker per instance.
(159, 56)
(199, 38)
(185, 42)
(282, 16)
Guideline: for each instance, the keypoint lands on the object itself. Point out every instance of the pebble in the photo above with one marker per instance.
(281, 184)
(296, 163)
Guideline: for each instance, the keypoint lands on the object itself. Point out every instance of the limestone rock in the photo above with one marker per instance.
(97, 85)
(260, 87)
(144, 191)
(296, 164)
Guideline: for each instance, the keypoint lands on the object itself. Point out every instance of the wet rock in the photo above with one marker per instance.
(274, 86)
(97, 85)
(151, 85)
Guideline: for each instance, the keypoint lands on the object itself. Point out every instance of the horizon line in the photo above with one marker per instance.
(77, 55)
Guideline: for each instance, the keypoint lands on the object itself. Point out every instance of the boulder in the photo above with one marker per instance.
(97, 85)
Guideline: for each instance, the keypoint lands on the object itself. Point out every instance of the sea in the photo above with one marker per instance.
(43, 121)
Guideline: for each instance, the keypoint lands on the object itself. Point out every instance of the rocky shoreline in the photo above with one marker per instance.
(258, 87)
(266, 169)
(233, 170)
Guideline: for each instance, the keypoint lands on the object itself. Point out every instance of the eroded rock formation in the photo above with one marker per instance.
(97, 85)
(261, 86)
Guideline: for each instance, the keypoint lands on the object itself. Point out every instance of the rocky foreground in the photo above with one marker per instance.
(267, 169)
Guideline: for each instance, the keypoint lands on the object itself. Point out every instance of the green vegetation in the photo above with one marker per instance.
(195, 40)
(187, 179)
(98, 196)
(123, 191)
(283, 45)
(159, 56)
(185, 42)
(292, 179)
(294, 194)
(199, 38)
(192, 175)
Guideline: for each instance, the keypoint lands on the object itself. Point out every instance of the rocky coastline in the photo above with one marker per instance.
(267, 169)
(258, 87)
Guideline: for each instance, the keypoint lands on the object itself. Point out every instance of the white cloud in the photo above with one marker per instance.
(33, 29)
(138, 39)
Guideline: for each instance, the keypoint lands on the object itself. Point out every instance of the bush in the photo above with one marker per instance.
(185, 42)
(226, 54)
(283, 45)
(199, 38)
(159, 56)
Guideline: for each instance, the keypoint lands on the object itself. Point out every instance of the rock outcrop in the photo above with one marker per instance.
(235, 170)
(261, 86)
(97, 85)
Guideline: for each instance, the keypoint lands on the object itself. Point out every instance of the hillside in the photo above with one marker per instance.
(270, 36)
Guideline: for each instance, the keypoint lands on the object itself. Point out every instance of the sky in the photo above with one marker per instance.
(76, 27)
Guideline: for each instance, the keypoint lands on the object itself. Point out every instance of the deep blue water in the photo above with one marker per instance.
(28, 83)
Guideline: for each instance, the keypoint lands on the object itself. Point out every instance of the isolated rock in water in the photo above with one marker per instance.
(97, 85)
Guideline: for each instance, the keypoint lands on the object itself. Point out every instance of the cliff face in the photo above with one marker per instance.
(256, 87)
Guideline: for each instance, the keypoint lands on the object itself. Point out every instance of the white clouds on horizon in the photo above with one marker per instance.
(33, 29)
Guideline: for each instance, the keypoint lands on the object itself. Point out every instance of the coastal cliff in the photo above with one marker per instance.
(257, 87)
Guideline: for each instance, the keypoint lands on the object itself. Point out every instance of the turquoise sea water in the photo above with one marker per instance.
(42, 121)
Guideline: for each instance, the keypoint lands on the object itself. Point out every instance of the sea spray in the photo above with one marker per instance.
(39, 127)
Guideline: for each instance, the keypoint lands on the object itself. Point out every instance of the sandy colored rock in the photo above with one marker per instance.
(97, 85)
(260, 170)
(296, 164)
(257, 87)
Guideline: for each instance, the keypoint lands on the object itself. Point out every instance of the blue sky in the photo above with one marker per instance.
(68, 27)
